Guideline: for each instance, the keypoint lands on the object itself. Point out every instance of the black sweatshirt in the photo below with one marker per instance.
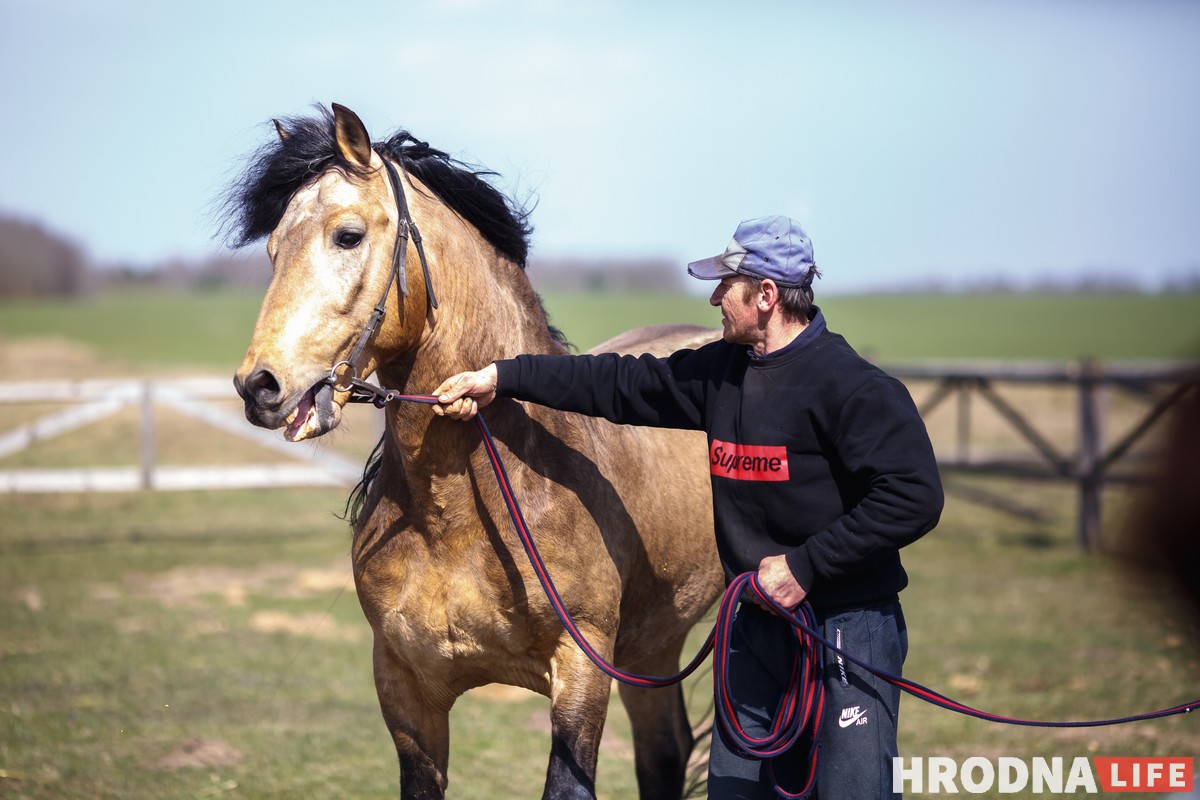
(814, 452)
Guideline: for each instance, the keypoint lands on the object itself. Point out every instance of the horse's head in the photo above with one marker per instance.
(324, 195)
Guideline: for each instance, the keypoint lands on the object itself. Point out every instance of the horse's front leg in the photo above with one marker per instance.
(578, 707)
(420, 730)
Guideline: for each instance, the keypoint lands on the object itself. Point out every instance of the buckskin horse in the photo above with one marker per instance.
(622, 515)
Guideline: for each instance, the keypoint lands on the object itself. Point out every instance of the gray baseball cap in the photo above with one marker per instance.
(766, 247)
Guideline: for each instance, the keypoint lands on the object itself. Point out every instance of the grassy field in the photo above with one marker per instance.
(902, 328)
(195, 644)
(211, 330)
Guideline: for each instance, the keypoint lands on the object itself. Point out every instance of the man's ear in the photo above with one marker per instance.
(768, 294)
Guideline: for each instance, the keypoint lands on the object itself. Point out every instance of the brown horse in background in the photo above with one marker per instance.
(622, 515)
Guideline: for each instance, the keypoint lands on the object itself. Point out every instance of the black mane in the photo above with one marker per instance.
(255, 202)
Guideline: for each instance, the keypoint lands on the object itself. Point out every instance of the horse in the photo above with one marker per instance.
(622, 515)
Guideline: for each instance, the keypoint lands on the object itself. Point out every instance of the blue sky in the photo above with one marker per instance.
(916, 140)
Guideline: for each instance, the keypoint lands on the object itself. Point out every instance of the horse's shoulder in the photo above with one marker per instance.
(660, 340)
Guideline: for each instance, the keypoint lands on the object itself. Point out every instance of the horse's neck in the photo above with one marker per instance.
(426, 458)
(487, 311)
(477, 323)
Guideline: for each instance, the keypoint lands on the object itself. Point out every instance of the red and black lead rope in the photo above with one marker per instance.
(798, 715)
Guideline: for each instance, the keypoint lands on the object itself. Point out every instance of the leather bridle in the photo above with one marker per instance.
(360, 390)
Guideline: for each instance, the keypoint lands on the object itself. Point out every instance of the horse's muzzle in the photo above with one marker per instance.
(305, 414)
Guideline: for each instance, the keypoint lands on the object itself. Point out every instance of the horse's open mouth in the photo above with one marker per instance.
(314, 415)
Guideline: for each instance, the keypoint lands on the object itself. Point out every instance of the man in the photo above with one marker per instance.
(821, 471)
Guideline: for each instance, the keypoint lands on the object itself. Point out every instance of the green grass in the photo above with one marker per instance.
(902, 328)
(135, 624)
(1020, 326)
(144, 326)
(212, 329)
(122, 645)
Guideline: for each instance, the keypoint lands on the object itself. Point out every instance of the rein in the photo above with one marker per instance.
(798, 716)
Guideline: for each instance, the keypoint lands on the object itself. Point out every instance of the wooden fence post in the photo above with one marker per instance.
(964, 422)
(1091, 453)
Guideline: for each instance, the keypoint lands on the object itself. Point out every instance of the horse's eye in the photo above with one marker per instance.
(348, 240)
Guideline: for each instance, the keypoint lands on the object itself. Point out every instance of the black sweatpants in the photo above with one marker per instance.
(858, 729)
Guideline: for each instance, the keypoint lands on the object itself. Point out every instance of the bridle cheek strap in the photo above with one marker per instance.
(404, 226)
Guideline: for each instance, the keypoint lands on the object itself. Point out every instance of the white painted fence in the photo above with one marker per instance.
(84, 402)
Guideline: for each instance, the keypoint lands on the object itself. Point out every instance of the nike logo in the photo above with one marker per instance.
(851, 716)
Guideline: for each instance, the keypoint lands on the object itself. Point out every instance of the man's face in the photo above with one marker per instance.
(738, 301)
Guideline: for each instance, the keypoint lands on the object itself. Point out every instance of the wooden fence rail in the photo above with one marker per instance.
(89, 401)
(1094, 461)
(1090, 464)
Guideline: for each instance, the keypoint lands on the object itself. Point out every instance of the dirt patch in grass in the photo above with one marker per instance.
(316, 626)
(47, 358)
(194, 586)
(198, 587)
(198, 753)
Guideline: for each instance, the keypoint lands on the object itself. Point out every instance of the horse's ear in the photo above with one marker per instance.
(352, 138)
(283, 134)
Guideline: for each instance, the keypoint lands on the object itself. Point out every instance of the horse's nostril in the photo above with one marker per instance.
(263, 387)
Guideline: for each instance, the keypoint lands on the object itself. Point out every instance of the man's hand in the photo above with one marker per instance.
(778, 582)
(462, 396)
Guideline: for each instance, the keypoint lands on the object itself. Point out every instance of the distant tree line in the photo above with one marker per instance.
(34, 261)
(606, 275)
